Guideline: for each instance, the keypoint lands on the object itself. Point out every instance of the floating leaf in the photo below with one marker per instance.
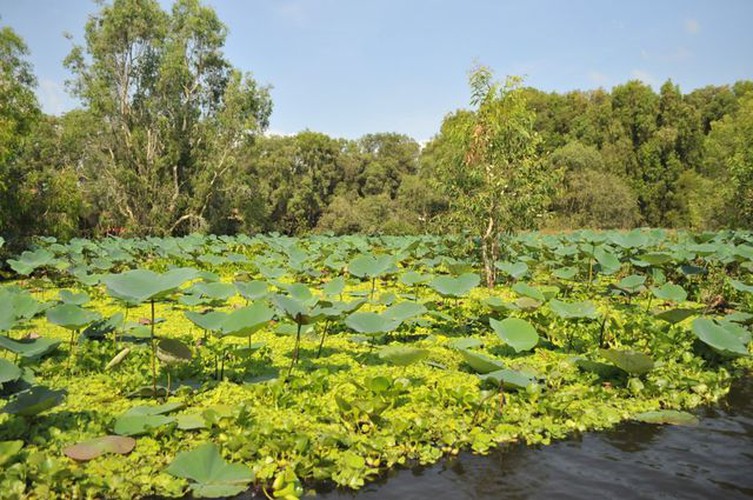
(515, 332)
(635, 363)
(34, 401)
(510, 379)
(672, 417)
(210, 475)
(94, 448)
(402, 355)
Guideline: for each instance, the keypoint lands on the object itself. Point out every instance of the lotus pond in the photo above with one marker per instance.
(210, 365)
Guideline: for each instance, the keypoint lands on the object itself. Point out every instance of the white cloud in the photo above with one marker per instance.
(598, 78)
(692, 26)
(52, 97)
(644, 76)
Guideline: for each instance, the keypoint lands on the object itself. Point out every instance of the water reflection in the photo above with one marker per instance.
(634, 461)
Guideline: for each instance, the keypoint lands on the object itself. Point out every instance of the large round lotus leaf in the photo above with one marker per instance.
(672, 417)
(8, 371)
(515, 270)
(720, 339)
(402, 355)
(173, 351)
(515, 332)
(466, 343)
(99, 329)
(252, 290)
(34, 401)
(480, 363)
(656, 258)
(740, 286)
(297, 310)
(211, 321)
(335, 286)
(526, 290)
(670, 292)
(412, 278)
(139, 285)
(608, 262)
(404, 311)
(71, 316)
(447, 286)
(635, 363)
(631, 284)
(370, 323)
(739, 331)
(96, 447)
(209, 474)
(565, 273)
(573, 310)
(29, 348)
(215, 290)
(247, 320)
(134, 425)
(371, 266)
(7, 315)
(510, 379)
(69, 297)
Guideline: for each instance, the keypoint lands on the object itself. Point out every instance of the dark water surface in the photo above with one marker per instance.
(713, 460)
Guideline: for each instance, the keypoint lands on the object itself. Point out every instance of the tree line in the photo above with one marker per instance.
(170, 139)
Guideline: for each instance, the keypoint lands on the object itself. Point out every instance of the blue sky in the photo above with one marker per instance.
(350, 67)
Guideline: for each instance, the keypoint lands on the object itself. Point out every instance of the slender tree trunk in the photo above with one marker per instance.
(489, 253)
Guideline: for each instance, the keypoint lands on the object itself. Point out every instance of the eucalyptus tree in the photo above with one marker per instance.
(172, 111)
(491, 170)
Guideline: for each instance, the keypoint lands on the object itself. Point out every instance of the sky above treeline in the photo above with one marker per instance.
(351, 67)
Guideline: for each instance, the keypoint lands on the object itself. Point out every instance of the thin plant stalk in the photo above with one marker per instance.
(295, 349)
(154, 355)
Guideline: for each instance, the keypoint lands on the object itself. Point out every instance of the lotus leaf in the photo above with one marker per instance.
(404, 311)
(670, 292)
(34, 401)
(71, 316)
(481, 363)
(515, 332)
(8, 371)
(29, 348)
(515, 270)
(246, 320)
(635, 363)
(173, 351)
(140, 285)
(573, 310)
(93, 448)
(527, 290)
(510, 379)
(402, 355)
(447, 286)
(676, 315)
(210, 475)
(370, 323)
(720, 339)
(252, 290)
(211, 320)
(672, 417)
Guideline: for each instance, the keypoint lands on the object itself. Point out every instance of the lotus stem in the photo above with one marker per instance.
(295, 350)
(154, 356)
(324, 335)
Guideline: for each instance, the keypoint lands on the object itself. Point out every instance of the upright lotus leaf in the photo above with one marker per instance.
(334, 287)
(671, 417)
(632, 284)
(670, 292)
(738, 330)
(515, 332)
(673, 316)
(71, 316)
(740, 286)
(496, 304)
(29, 348)
(28, 261)
(481, 363)
(632, 362)
(211, 321)
(371, 266)
(34, 401)
(404, 311)
(447, 286)
(370, 323)
(718, 338)
(252, 290)
(140, 285)
(608, 262)
(300, 292)
(99, 329)
(565, 273)
(573, 310)
(8, 450)
(402, 355)
(656, 258)
(303, 313)
(173, 351)
(215, 291)
(466, 343)
(245, 321)
(75, 298)
(510, 379)
(515, 270)
(209, 475)
(413, 278)
(8, 371)
(526, 290)
(7, 315)
(93, 448)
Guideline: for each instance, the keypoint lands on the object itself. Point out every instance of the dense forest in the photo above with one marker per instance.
(170, 139)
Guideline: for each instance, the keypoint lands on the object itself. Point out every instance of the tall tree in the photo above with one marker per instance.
(173, 112)
(492, 173)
